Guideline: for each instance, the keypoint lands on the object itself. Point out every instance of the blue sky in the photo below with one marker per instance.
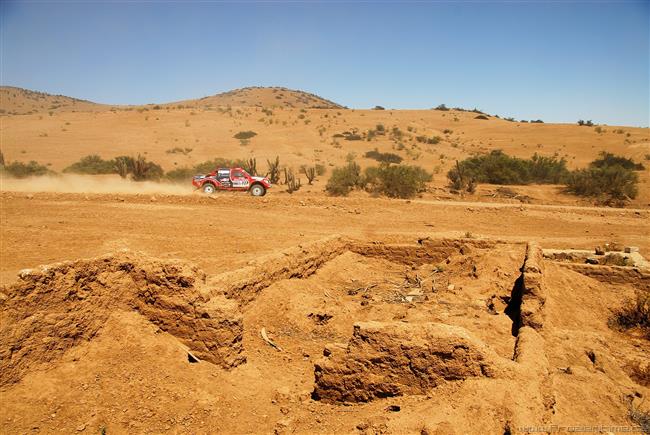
(558, 61)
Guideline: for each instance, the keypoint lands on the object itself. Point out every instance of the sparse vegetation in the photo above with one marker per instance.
(608, 182)
(383, 157)
(428, 140)
(24, 170)
(310, 173)
(92, 165)
(144, 170)
(499, 168)
(609, 159)
(588, 123)
(396, 181)
(635, 313)
(179, 150)
(245, 135)
(250, 166)
(344, 179)
(293, 183)
(274, 170)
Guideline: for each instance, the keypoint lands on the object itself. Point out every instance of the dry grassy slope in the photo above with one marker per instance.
(18, 101)
(262, 97)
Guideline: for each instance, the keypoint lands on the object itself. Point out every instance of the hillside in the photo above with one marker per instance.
(262, 97)
(18, 101)
(186, 133)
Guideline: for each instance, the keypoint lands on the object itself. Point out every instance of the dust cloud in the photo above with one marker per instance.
(69, 183)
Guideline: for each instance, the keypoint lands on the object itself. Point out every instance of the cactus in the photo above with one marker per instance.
(293, 184)
(250, 166)
(121, 167)
(310, 173)
(274, 170)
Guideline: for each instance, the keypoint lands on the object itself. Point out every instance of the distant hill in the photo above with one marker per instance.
(19, 101)
(264, 97)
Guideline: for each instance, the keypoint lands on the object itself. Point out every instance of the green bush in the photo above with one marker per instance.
(609, 159)
(396, 181)
(243, 135)
(92, 165)
(383, 157)
(615, 182)
(344, 179)
(24, 170)
(499, 168)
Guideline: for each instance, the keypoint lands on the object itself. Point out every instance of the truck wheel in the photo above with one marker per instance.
(258, 190)
(209, 189)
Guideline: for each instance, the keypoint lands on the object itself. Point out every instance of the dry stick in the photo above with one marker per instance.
(268, 340)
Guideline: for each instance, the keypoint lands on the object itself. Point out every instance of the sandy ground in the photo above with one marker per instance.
(229, 230)
(143, 275)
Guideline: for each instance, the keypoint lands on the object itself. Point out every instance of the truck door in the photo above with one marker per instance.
(239, 180)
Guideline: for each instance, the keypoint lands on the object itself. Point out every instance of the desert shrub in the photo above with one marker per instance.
(536, 121)
(244, 135)
(378, 108)
(344, 179)
(634, 314)
(383, 157)
(353, 136)
(442, 107)
(612, 182)
(380, 128)
(92, 165)
(396, 181)
(588, 123)
(481, 117)
(499, 168)
(145, 170)
(428, 140)
(320, 169)
(24, 170)
(609, 159)
(181, 174)
(179, 150)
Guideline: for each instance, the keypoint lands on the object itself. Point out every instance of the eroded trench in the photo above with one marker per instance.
(423, 312)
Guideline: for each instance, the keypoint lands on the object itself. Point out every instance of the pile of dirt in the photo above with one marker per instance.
(394, 359)
(53, 308)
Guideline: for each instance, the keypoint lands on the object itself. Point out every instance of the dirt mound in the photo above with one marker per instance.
(53, 308)
(394, 359)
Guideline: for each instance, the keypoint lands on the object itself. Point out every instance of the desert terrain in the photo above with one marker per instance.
(149, 307)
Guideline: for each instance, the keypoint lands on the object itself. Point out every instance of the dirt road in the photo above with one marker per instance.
(228, 231)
